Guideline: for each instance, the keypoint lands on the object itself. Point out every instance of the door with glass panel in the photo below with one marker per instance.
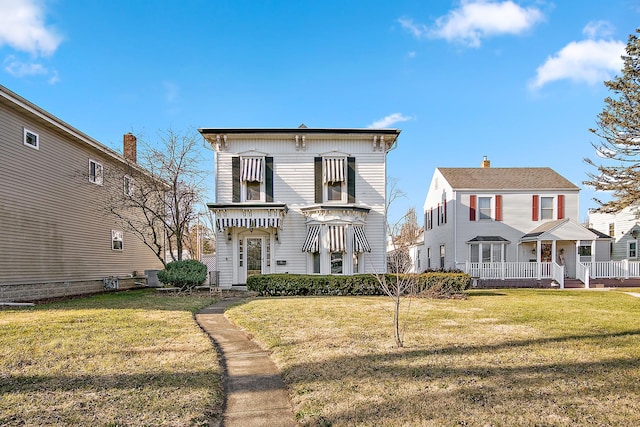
(254, 255)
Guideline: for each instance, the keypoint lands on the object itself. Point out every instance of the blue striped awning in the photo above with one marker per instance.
(311, 242)
(360, 243)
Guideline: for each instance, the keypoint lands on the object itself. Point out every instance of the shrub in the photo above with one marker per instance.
(184, 274)
(427, 284)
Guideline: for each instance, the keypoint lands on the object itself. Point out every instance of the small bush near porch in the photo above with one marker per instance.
(502, 358)
(133, 358)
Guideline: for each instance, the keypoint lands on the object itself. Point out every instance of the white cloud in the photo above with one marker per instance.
(417, 30)
(478, 19)
(585, 61)
(595, 29)
(389, 120)
(22, 27)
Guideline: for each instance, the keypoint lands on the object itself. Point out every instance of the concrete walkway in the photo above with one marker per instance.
(255, 394)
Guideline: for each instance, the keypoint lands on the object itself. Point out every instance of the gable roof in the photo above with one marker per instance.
(562, 229)
(506, 179)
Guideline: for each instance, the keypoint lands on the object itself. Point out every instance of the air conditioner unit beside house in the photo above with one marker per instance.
(110, 283)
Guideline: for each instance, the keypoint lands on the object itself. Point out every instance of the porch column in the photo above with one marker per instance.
(538, 258)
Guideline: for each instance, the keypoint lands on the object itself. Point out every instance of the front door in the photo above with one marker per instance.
(254, 256)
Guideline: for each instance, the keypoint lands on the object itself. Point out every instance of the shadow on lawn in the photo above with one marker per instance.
(486, 391)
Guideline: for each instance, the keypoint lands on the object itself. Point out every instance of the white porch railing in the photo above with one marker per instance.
(623, 269)
(511, 270)
(558, 274)
(583, 273)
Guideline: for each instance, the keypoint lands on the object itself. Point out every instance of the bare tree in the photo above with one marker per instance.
(401, 283)
(619, 133)
(161, 197)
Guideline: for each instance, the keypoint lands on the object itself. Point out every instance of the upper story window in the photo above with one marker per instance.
(485, 207)
(117, 241)
(632, 249)
(31, 139)
(252, 179)
(95, 172)
(335, 179)
(127, 185)
(612, 229)
(547, 207)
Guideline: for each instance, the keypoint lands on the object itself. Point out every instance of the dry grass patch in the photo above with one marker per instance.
(123, 359)
(498, 358)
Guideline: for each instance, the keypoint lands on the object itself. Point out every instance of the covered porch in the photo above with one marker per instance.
(555, 251)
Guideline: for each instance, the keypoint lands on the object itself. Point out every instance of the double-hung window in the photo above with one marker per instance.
(95, 172)
(117, 241)
(485, 208)
(127, 185)
(335, 179)
(632, 249)
(547, 207)
(252, 179)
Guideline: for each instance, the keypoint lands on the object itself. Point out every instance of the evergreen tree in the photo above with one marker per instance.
(618, 128)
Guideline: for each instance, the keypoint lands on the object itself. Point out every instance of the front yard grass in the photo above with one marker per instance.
(498, 358)
(134, 358)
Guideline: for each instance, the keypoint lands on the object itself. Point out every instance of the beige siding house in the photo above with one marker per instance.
(299, 200)
(57, 240)
(499, 223)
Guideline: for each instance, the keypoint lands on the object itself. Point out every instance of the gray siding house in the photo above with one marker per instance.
(56, 238)
(299, 200)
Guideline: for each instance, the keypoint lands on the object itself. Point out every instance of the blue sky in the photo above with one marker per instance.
(518, 81)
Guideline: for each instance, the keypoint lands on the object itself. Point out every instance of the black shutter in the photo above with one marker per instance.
(235, 176)
(351, 179)
(317, 164)
(268, 178)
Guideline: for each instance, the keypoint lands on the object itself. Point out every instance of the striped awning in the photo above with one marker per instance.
(360, 243)
(336, 238)
(223, 223)
(311, 242)
(333, 170)
(251, 169)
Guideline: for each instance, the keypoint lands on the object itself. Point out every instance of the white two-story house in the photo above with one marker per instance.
(299, 200)
(497, 222)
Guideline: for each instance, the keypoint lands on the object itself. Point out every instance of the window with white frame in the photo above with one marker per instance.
(632, 249)
(442, 253)
(95, 172)
(127, 184)
(546, 207)
(428, 258)
(486, 252)
(334, 179)
(252, 179)
(31, 139)
(484, 207)
(336, 262)
(117, 242)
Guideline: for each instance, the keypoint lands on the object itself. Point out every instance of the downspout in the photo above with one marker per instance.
(455, 230)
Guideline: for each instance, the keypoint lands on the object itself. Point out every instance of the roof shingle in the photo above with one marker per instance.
(506, 179)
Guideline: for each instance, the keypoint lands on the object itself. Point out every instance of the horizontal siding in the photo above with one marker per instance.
(51, 215)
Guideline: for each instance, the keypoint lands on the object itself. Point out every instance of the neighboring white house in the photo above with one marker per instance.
(497, 222)
(299, 200)
(624, 229)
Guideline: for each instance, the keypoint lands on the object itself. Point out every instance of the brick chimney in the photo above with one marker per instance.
(129, 147)
(485, 163)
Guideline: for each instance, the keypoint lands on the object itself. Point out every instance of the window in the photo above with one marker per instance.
(612, 229)
(356, 263)
(336, 262)
(490, 252)
(428, 258)
(116, 240)
(584, 250)
(31, 139)
(419, 255)
(442, 256)
(252, 178)
(632, 249)
(95, 172)
(241, 251)
(546, 207)
(316, 262)
(127, 184)
(484, 207)
(335, 179)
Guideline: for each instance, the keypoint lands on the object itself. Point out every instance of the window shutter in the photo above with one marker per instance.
(498, 207)
(472, 208)
(534, 208)
(426, 220)
(235, 176)
(317, 164)
(351, 179)
(560, 206)
(438, 213)
(431, 218)
(268, 178)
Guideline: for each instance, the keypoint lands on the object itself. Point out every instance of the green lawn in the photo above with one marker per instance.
(130, 358)
(498, 358)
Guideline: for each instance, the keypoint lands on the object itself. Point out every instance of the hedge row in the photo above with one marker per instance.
(427, 284)
(185, 274)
